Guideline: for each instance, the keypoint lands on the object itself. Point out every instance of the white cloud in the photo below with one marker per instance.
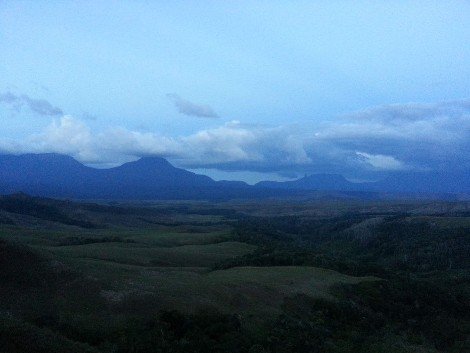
(68, 136)
(381, 162)
(427, 136)
(383, 139)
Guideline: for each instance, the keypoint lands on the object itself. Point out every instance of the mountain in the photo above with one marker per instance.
(426, 182)
(152, 178)
(314, 182)
(55, 175)
(409, 182)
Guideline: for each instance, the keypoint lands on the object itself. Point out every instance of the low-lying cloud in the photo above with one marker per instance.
(377, 140)
(38, 106)
(192, 109)
(381, 162)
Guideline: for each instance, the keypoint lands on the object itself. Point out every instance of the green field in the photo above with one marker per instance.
(176, 269)
(137, 254)
(232, 277)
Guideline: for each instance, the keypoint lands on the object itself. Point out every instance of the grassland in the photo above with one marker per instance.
(175, 269)
(234, 277)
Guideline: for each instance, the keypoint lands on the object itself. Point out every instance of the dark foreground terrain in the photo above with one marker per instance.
(264, 276)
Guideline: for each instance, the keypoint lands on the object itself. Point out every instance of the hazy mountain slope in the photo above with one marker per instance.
(426, 182)
(54, 175)
(398, 183)
(314, 182)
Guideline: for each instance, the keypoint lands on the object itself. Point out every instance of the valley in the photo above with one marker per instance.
(84, 272)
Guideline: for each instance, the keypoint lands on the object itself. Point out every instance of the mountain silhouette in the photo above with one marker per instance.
(149, 178)
(409, 182)
(153, 178)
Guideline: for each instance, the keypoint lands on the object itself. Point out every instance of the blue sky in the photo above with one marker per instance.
(240, 90)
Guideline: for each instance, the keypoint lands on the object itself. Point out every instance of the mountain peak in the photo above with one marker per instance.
(148, 163)
(153, 161)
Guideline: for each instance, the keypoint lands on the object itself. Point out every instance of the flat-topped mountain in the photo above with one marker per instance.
(151, 178)
(55, 175)
(426, 183)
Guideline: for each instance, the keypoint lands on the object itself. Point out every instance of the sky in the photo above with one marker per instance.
(245, 90)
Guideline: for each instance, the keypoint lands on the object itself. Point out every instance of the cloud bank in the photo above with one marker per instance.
(38, 106)
(376, 140)
(191, 109)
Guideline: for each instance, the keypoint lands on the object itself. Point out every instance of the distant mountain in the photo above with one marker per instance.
(152, 178)
(430, 183)
(314, 182)
(426, 182)
(55, 175)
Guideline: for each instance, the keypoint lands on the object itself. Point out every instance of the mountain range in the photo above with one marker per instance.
(152, 178)
(399, 182)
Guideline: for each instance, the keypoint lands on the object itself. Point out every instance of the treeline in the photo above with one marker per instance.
(395, 244)
(77, 240)
(40, 208)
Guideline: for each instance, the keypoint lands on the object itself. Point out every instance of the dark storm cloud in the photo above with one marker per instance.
(192, 109)
(39, 106)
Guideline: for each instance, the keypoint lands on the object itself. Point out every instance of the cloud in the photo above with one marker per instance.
(425, 136)
(71, 136)
(39, 106)
(191, 109)
(397, 113)
(377, 140)
(229, 146)
(381, 162)
(68, 136)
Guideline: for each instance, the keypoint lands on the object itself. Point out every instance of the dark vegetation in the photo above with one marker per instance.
(396, 244)
(418, 303)
(36, 207)
(426, 270)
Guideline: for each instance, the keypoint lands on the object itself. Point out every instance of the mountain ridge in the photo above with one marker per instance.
(61, 176)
